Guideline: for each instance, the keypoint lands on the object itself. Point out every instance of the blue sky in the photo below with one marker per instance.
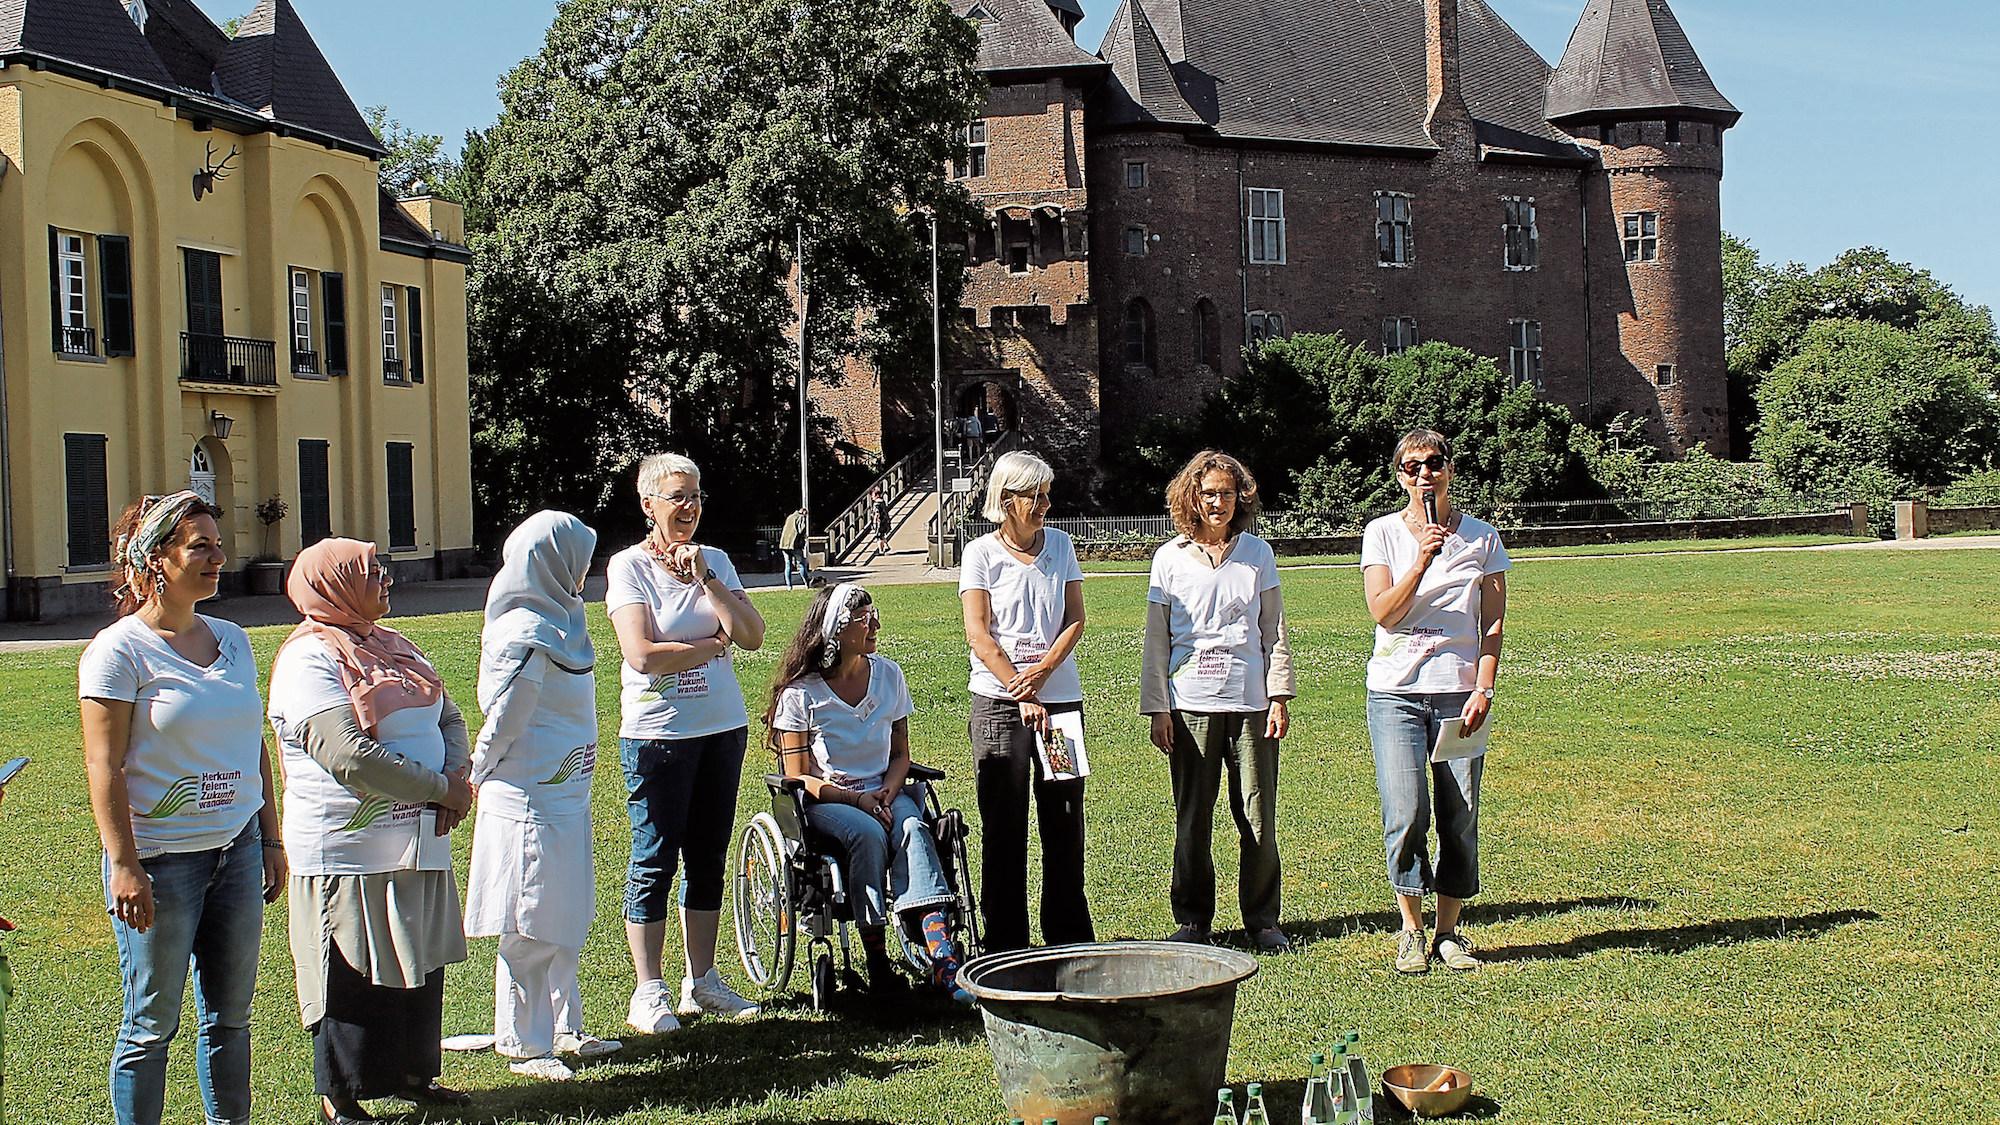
(1864, 122)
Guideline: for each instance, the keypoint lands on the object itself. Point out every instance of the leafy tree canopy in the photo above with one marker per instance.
(413, 159)
(643, 194)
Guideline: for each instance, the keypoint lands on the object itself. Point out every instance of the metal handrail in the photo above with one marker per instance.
(855, 524)
(953, 510)
(228, 359)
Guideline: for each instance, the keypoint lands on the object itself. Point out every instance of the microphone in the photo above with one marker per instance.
(1430, 507)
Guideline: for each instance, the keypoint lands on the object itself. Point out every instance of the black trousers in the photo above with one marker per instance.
(1008, 773)
(376, 1042)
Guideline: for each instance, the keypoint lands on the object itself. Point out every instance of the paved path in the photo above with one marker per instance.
(898, 568)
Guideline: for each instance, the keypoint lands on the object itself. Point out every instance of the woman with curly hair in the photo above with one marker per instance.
(1217, 682)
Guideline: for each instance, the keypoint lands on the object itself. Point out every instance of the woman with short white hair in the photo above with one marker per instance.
(678, 607)
(1022, 594)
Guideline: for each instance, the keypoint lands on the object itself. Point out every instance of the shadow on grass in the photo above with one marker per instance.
(1477, 1107)
(713, 1065)
(1681, 939)
(1476, 914)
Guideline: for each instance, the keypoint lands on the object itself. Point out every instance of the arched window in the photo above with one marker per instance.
(1138, 334)
(1207, 335)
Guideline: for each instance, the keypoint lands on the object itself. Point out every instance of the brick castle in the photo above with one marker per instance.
(1393, 170)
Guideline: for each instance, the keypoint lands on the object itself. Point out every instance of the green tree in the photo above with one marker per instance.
(642, 198)
(413, 158)
(1873, 408)
(1317, 417)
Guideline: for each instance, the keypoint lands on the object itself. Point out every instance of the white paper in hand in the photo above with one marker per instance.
(1062, 753)
(1451, 746)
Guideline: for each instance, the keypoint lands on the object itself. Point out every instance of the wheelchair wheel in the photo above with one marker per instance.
(765, 923)
(970, 941)
(822, 980)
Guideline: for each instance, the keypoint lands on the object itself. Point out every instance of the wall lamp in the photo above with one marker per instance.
(220, 424)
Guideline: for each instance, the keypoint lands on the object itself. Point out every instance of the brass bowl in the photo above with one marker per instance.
(1409, 1083)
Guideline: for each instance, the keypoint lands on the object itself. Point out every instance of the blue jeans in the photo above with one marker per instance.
(208, 907)
(1415, 791)
(681, 796)
(911, 869)
(796, 558)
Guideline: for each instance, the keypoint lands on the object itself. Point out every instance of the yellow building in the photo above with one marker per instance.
(202, 285)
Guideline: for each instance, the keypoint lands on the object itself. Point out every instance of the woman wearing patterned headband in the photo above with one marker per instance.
(376, 769)
(678, 608)
(839, 719)
(531, 883)
(181, 789)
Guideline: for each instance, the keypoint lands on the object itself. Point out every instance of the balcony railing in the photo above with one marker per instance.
(305, 362)
(392, 369)
(228, 359)
(79, 340)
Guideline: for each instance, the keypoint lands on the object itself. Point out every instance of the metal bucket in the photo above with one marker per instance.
(1135, 1031)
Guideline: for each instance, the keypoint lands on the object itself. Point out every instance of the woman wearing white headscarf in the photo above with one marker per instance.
(531, 883)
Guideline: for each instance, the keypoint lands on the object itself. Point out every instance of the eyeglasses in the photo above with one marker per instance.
(1038, 499)
(1435, 463)
(1228, 494)
(681, 499)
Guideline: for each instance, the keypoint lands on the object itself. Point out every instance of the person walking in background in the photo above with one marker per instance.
(678, 608)
(531, 883)
(180, 786)
(1437, 588)
(839, 719)
(880, 504)
(1021, 590)
(1216, 681)
(376, 767)
(792, 547)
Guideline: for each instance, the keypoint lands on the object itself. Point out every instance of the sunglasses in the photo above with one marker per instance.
(1435, 463)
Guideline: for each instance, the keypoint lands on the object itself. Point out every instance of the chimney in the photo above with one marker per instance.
(1441, 62)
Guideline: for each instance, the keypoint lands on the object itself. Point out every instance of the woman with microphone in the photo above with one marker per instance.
(1437, 589)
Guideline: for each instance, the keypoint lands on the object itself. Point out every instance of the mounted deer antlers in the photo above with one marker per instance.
(212, 172)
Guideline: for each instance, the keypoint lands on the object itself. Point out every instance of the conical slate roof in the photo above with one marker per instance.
(1145, 89)
(1631, 55)
(273, 66)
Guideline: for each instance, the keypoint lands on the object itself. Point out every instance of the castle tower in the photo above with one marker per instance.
(1631, 86)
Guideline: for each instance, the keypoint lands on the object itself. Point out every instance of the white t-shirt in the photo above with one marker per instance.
(1217, 659)
(544, 773)
(197, 741)
(687, 704)
(1435, 647)
(850, 744)
(1027, 609)
(329, 828)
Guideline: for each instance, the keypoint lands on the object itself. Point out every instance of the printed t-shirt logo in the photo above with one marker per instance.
(207, 792)
(367, 812)
(685, 684)
(178, 796)
(582, 760)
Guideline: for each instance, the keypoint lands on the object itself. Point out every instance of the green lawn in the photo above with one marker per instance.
(1643, 547)
(1740, 839)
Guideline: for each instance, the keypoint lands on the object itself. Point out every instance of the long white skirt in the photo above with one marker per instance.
(531, 878)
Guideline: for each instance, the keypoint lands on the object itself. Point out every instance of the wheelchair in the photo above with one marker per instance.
(791, 888)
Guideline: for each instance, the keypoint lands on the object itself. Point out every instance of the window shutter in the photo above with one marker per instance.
(315, 509)
(55, 295)
(402, 498)
(114, 281)
(414, 309)
(88, 502)
(333, 287)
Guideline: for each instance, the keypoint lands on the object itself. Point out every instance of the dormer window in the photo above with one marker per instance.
(137, 10)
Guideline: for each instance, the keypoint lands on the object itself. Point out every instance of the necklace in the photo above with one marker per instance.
(1018, 549)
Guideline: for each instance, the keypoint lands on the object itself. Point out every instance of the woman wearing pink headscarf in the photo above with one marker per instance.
(376, 765)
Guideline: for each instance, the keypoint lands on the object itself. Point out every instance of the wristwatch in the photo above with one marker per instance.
(1485, 691)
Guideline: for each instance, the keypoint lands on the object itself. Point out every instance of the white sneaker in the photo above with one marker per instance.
(707, 993)
(585, 1046)
(548, 1068)
(652, 1010)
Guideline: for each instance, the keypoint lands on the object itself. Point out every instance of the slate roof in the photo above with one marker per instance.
(273, 66)
(1630, 55)
(1327, 71)
(92, 33)
(1025, 35)
(272, 72)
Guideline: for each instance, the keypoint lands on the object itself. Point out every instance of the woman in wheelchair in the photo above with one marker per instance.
(839, 721)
